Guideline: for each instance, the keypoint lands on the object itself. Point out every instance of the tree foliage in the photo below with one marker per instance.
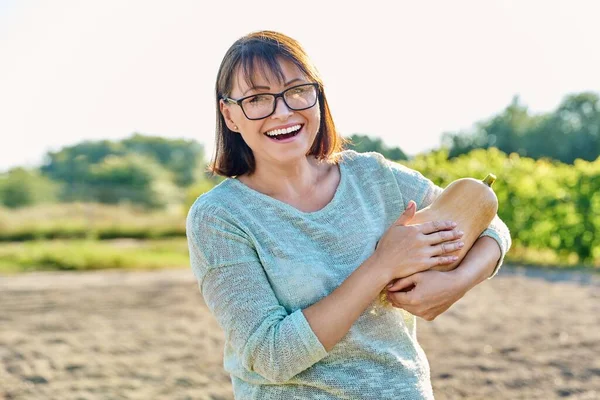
(71, 164)
(364, 143)
(183, 158)
(131, 178)
(22, 187)
(136, 169)
(570, 132)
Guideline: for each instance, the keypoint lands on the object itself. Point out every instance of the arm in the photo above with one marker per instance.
(267, 339)
(332, 317)
(480, 262)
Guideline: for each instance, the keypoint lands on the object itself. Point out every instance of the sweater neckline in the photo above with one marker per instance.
(281, 204)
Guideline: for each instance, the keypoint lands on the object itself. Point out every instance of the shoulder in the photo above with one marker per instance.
(373, 167)
(363, 161)
(354, 157)
(373, 160)
(212, 207)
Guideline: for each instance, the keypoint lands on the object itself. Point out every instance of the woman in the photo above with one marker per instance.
(293, 249)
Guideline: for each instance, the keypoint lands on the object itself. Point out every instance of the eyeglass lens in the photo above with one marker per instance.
(296, 98)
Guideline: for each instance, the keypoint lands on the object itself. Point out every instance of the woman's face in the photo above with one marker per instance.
(255, 132)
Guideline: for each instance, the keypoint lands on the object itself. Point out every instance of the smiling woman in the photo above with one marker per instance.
(284, 249)
(251, 81)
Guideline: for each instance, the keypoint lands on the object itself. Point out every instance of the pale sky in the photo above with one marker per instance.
(405, 71)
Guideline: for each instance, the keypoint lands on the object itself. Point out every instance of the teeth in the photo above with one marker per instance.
(276, 132)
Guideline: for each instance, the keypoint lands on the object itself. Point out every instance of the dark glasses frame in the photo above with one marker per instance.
(276, 96)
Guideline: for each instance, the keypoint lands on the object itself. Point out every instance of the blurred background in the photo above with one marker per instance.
(107, 122)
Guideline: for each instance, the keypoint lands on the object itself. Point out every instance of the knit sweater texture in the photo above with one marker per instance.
(259, 262)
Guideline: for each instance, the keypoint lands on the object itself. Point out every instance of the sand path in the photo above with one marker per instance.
(148, 335)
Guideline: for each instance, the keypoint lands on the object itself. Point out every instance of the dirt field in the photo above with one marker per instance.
(148, 335)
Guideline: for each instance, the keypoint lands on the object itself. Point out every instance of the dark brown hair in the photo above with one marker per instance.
(256, 51)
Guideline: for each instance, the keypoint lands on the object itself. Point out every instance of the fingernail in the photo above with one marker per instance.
(460, 232)
(453, 224)
(454, 258)
(390, 285)
(460, 244)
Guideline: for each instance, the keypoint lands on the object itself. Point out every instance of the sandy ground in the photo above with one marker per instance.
(148, 335)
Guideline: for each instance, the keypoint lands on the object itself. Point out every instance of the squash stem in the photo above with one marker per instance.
(490, 179)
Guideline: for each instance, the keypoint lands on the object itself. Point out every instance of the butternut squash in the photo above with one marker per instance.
(471, 203)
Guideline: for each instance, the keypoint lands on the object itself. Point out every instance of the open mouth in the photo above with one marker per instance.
(284, 134)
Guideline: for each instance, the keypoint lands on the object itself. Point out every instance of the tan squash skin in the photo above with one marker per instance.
(471, 203)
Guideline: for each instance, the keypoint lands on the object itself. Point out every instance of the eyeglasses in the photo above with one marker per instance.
(259, 106)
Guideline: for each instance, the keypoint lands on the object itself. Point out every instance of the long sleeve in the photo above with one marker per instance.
(423, 191)
(267, 340)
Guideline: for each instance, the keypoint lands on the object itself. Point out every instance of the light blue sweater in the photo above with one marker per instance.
(260, 261)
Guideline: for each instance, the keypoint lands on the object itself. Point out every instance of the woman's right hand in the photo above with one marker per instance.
(407, 249)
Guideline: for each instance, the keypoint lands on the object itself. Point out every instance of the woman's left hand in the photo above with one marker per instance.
(432, 293)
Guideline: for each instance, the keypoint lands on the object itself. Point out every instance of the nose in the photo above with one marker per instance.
(281, 109)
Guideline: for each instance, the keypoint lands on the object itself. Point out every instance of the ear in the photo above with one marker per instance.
(226, 112)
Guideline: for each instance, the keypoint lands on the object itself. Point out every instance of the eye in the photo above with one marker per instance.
(258, 99)
(299, 90)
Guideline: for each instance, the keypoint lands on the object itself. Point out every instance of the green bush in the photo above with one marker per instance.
(20, 187)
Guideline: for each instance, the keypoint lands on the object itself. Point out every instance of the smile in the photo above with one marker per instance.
(285, 133)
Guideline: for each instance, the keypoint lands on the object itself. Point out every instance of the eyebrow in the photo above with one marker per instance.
(267, 87)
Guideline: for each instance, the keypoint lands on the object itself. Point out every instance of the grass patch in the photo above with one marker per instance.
(82, 255)
(89, 221)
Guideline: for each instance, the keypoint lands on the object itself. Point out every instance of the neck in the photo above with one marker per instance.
(289, 181)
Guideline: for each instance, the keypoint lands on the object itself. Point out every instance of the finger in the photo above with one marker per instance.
(401, 299)
(434, 226)
(447, 247)
(405, 298)
(442, 260)
(402, 284)
(395, 305)
(443, 236)
(390, 299)
(408, 214)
